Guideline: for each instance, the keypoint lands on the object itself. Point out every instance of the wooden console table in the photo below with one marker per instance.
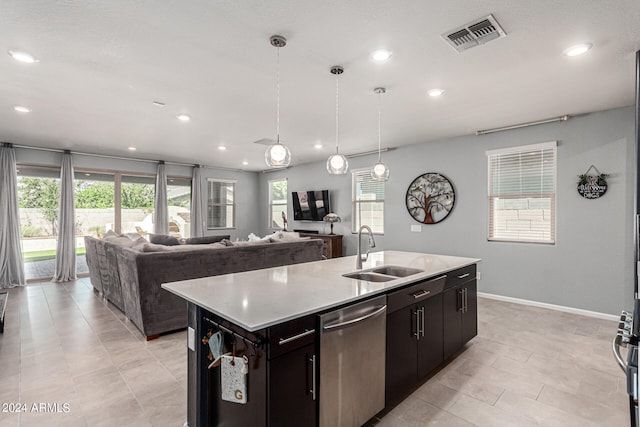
(332, 247)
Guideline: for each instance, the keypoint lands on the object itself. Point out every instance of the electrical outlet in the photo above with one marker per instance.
(191, 338)
(416, 229)
(479, 275)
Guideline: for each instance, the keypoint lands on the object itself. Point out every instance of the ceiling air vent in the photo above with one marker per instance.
(474, 33)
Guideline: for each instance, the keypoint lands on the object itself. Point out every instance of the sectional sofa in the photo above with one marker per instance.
(129, 274)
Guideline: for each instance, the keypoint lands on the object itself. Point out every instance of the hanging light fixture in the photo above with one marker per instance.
(380, 171)
(278, 155)
(337, 164)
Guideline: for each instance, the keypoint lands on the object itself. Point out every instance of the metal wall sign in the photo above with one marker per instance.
(592, 186)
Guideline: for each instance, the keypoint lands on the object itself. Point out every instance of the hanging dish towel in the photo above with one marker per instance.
(234, 378)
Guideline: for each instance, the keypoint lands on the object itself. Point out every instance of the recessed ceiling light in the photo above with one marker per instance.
(244, 162)
(131, 148)
(578, 49)
(22, 56)
(87, 174)
(22, 109)
(159, 104)
(317, 146)
(221, 147)
(381, 55)
(435, 92)
(183, 117)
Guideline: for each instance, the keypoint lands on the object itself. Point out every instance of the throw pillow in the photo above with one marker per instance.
(109, 233)
(204, 240)
(162, 239)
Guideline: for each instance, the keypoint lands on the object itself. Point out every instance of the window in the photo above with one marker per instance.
(368, 201)
(221, 207)
(277, 203)
(522, 193)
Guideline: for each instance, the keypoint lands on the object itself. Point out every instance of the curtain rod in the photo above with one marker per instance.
(522, 125)
(106, 156)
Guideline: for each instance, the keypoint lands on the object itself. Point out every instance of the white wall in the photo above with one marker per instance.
(591, 265)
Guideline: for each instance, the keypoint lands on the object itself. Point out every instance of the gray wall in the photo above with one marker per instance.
(591, 265)
(246, 186)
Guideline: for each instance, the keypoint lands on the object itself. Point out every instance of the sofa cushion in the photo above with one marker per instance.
(152, 247)
(124, 241)
(110, 233)
(162, 239)
(204, 240)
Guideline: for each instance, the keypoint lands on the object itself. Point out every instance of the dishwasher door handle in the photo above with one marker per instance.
(338, 325)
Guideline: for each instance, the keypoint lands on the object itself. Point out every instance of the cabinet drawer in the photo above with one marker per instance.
(461, 275)
(415, 293)
(291, 335)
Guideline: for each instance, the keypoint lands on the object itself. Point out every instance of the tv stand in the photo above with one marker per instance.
(332, 247)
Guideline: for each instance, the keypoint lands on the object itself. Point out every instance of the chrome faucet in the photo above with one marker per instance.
(372, 244)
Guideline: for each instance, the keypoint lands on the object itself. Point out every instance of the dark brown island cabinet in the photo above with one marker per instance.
(460, 309)
(427, 322)
(414, 336)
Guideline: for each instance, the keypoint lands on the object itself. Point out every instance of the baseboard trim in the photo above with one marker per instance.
(571, 310)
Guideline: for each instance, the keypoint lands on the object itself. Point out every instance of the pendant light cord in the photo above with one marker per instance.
(278, 94)
(379, 125)
(337, 106)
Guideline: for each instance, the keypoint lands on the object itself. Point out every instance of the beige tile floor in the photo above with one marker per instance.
(527, 367)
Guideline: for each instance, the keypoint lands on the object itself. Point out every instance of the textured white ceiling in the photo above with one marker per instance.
(103, 63)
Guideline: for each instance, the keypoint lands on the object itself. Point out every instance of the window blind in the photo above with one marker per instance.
(368, 201)
(522, 193)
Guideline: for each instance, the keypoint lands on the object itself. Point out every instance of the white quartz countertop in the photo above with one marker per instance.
(258, 299)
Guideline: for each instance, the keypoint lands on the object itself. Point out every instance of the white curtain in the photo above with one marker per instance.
(197, 222)
(66, 247)
(161, 225)
(11, 261)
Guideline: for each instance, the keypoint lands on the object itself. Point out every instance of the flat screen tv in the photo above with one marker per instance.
(310, 205)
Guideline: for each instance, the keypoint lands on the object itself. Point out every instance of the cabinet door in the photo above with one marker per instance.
(470, 316)
(430, 345)
(452, 318)
(401, 357)
(291, 400)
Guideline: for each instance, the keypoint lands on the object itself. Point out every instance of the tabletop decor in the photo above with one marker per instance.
(331, 218)
(592, 186)
(430, 198)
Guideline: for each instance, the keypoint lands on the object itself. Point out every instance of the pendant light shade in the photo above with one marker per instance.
(380, 171)
(277, 155)
(337, 164)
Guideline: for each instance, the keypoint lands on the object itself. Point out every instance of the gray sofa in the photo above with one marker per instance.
(141, 272)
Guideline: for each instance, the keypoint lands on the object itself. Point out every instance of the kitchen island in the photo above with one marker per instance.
(271, 316)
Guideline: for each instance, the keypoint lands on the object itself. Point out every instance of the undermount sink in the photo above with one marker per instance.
(397, 271)
(370, 277)
(383, 273)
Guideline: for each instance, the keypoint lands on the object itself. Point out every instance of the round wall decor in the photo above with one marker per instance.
(592, 186)
(430, 198)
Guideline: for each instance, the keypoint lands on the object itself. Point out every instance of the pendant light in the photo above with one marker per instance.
(337, 164)
(278, 155)
(380, 171)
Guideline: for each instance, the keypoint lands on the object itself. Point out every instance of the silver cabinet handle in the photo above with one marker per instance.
(466, 300)
(307, 332)
(422, 320)
(375, 313)
(461, 293)
(417, 333)
(313, 377)
(464, 275)
(616, 352)
(421, 294)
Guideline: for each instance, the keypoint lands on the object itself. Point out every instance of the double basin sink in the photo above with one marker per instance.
(383, 273)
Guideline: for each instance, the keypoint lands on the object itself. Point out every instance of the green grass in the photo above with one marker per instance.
(45, 255)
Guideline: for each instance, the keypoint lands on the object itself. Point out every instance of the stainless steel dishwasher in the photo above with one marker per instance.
(352, 363)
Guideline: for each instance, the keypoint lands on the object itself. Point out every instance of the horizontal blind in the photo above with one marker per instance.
(368, 201)
(521, 190)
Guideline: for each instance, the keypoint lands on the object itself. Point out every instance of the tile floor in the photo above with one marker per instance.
(527, 367)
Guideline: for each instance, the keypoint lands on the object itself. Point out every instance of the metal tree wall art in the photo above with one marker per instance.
(430, 198)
